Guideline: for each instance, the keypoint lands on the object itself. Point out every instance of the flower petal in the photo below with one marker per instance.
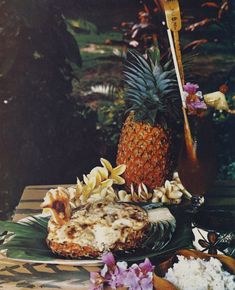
(147, 283)
(122, 266)
(131, 280)
(86, 192)
(97, 176)
(106, 164)
(78, 187)
(85, 179)
(107, 183)
(103, 172)
(109, 259)
(95, 169)
(119, 170)
(104, 271)
(92, 182)
(191, 88)
(122, 194)
(118, 180)
(103, 192)
(146, 266)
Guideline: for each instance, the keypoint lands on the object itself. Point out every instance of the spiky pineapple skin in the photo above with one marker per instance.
(147, 153)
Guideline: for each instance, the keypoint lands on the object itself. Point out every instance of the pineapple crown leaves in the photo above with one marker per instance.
(151, 88)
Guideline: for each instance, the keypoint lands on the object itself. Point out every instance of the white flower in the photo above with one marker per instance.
(114, 173)
(56, 202)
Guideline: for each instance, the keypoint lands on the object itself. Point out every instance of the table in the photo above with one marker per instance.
(23, 276)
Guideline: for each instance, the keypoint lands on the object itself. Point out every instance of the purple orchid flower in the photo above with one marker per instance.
(132, 280)
(195, 106)
(140, 277)
(146, 266)
(194, 99)
(136, 277)
(120, 272)
(190, 88)
(118, 275)
(147, 283)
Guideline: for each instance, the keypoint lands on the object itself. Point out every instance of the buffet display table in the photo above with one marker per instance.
(20, 275)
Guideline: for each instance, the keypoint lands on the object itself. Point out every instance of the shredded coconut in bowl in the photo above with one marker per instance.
(198, 274)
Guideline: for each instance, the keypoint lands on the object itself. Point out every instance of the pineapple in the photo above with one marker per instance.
(146, 141)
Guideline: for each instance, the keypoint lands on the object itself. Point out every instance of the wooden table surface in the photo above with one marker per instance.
(18, 275)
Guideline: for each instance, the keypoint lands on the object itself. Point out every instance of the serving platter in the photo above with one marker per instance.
(25, 241)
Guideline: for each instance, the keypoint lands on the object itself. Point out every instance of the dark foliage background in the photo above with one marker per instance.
(45, 136)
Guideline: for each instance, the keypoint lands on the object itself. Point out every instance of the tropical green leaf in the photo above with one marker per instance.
(165, 75)
(136, 102)
(34, 255)
(137, 67)
(135, 85)
(137, 79)
(157, 71)
(134, 92)
(28, 238)
(140, 60)
(168, 92)
(141, 73)
(19, 229)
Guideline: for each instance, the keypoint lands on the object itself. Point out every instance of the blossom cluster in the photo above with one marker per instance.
(171, 192)
(194, 99)
(115, 275)
(98, 184)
